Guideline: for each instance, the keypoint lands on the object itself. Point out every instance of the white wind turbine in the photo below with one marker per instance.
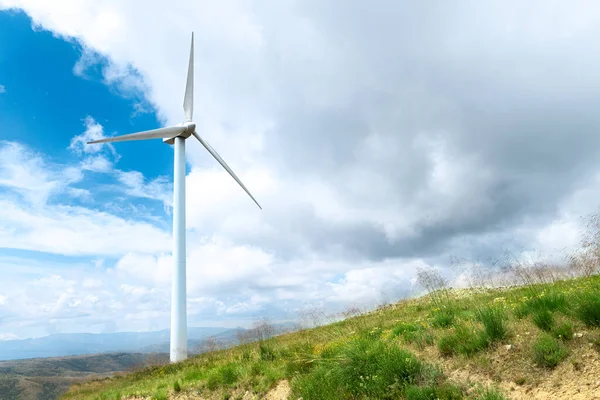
(176, 135)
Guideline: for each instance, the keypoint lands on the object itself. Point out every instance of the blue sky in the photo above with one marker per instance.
(45, 104)
(378, 140)
(46, 99)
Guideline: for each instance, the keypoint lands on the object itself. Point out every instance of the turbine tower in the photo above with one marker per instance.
(176, 136)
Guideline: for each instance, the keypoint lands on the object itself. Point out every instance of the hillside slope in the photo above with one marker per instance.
(540, 341)
(48, 378)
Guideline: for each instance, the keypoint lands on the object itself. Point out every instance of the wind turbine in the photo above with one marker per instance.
(176, 136)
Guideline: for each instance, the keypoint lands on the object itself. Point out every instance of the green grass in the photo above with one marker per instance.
(551, 301)
(588, 308)
(266, 351)
(393, 352)
(494, 322)
(464, 339)
(443, 318)
(548, 352)
(543, 319)
(414, 333)
(366, 368)
(406, 329)
(563, 331)
(440, 392)
(489, 393)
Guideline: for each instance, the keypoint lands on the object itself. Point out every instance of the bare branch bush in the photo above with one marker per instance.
(436, 285)
(477, 274)
(586, 261)
(208, 345)
(311, 316)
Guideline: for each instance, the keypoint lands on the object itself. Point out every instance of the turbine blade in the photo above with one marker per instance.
(188, 101)
(224, 165)
(151, 134)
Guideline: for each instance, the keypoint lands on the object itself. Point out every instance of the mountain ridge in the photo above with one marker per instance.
(73, 344)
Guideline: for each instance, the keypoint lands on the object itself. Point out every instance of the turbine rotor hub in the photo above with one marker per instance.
(190, 127)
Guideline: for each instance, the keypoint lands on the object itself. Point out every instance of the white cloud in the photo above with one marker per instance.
(93, 131)
(370, 156)
(97, 159)
(31, 176)
(8, 336)
(96, 164)
(36, 224)
(91, 283)
(389, 280)
(2, 89)
(72, 230)
(157, 189)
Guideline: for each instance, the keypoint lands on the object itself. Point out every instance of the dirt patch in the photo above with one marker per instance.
(280, 392)
(577, 378)
(579, 381)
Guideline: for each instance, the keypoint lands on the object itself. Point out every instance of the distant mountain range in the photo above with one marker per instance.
(48, 378)
(69, 344)
(27, 372)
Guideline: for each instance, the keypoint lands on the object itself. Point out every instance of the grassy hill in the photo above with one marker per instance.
(48, 378)
(539, 341)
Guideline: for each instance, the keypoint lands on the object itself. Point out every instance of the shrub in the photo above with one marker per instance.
(548, 352)
(543, 319)
(464, 340)
(588, 309)
(365, 368)
(443, 318)
(553, 301)
(447, 344)
(564, 331)
(266, 351)
(494, 322)
(227, 374)
(370, 367)
(176, 386)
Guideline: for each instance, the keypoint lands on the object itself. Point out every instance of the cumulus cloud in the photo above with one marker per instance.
(27, 173)
(93, 131)
(102, 157)
(377, 137)
(31, 221)
(157, 189)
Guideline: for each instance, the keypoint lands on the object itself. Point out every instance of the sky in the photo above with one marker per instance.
(380, 137)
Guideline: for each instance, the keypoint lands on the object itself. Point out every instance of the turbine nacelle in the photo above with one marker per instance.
(190, 128)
